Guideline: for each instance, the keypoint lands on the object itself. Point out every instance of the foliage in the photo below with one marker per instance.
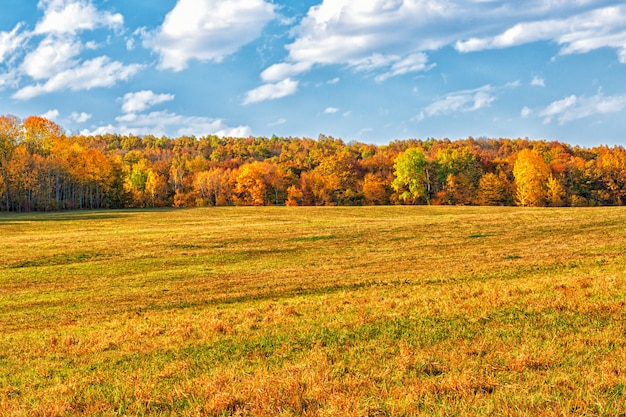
(42, 168)
(412, 180)
(531, 178)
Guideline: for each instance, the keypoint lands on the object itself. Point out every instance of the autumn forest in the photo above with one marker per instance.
(42, 168)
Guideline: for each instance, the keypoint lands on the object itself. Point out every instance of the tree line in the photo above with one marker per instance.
(42, 168)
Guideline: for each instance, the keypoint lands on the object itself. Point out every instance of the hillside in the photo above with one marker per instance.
(43, 169)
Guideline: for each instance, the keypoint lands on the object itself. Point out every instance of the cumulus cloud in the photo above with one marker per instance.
(392, 38)
(48, 58)
(71, 16)
(169, 124)
(97, 72)
(80, 117)
(574, 108)
(51, 57)
(208, 30)
(265, 92)
(344, 31)
(331, 110)
(51, 114)
(142, 100)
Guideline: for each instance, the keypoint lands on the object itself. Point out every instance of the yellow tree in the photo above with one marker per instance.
(294, 196)
(531, 175)
(555, 192)
(156, 188)
(40, 133)
(259, 183)
(494, 190)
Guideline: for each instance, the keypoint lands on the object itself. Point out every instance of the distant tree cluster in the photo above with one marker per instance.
(42, 168)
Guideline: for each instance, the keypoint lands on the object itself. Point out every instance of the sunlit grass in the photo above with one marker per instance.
(314, 311)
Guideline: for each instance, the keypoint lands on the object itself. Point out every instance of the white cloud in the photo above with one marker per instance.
(557, 107)
(538, 82)
(278, 122)
(578, 33)
(80, 117)
(517, 35)
(170, 124)
(384, 36)
(333, 81)
(575, 108)
(331, 110)
(464, 101)
(265, 92)
(208, 30)
(54, 63)
(526, 112)
(412, 63)
(142, 100)
(52, 56)
(344, 31)
(51, 114)
(71, 16)
(392, 37)
(11, 41)
(283, 70)
(373, 62)
(8, 79)
(97, 72)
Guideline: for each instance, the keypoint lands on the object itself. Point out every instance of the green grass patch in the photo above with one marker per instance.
(60, 259)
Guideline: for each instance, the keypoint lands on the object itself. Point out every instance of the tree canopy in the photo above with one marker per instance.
(43, 168)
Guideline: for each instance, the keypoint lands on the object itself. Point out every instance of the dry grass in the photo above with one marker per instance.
(369, 311)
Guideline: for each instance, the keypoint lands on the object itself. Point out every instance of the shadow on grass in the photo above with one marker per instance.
(72, 216)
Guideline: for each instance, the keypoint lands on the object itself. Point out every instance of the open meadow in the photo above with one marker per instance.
(368, 311)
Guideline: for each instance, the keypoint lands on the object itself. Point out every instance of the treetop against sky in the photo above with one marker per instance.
(371, 71)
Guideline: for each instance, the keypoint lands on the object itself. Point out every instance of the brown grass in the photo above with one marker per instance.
(388, 311)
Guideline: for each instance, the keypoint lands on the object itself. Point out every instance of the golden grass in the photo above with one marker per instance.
(314, 311)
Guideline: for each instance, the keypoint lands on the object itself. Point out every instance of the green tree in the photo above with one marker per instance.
(412, 177)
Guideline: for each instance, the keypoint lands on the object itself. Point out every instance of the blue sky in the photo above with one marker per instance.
(369, 70)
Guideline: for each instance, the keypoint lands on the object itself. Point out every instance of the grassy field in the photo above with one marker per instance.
(371, 311)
